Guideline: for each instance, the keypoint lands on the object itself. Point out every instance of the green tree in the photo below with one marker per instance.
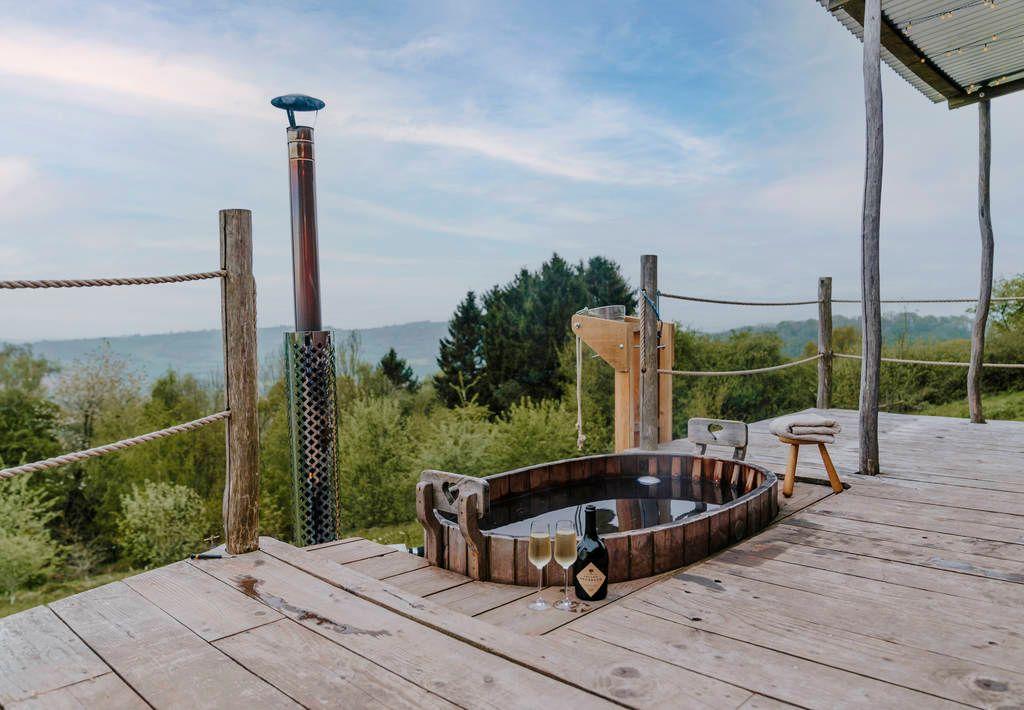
(460, 357)
(397, 371)
(28, 420)
(1008, 315)
(161, 522)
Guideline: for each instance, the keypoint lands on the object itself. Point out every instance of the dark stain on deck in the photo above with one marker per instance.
(248, 586)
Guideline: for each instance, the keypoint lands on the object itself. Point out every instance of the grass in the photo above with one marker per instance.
(51, 591)
(409, 534)
(1005, 405)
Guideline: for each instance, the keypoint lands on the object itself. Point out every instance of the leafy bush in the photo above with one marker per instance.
(455, 440)
(160, 522)
(376, 464)
(532, 432)
(24, 560)
(28, 551)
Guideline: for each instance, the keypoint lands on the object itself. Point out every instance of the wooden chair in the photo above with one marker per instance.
(794, 451)
(719, 432)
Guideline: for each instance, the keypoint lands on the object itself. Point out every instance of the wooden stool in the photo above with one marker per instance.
(795, 444)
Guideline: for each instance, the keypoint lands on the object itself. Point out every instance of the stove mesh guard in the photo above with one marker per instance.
(313, 422)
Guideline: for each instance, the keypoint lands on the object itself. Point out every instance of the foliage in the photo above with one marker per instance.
(1006, 405)
(28, 551)
(744, 398)
(532, 432)
(526, 324)
(28, 421)
(24, 561)
(161, 522)
(1008, 316)
(397, 371)
(460, 355)
(376, 457)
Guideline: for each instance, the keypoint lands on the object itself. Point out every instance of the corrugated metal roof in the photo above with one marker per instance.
(971, 44)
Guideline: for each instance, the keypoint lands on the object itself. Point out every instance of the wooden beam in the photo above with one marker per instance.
(238, 302)
(648, 353)
(989, 92)
(824, 400)
(987, 249)
(871, 307)
(905, 52)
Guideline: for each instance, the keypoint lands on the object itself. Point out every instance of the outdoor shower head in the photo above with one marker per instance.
(296, 102)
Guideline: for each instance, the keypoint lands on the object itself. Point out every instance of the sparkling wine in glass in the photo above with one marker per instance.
(565, 555)
(540, 555)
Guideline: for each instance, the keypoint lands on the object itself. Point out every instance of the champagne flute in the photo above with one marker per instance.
(565, 555)
(540, 555)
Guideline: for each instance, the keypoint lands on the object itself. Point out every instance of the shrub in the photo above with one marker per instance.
(455, 440)
(160, 522)
(533, 432)
(24, 560)
(376, 464)
(28, 551)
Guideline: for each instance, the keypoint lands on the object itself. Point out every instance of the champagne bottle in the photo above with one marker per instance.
(590, 570)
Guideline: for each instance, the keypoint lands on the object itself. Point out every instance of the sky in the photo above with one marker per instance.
(463, 141)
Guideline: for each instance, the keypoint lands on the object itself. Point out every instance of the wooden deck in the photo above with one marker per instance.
(905, 590)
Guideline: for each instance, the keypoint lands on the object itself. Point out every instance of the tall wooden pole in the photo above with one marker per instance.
(871, 307)
(825, 342)
(648, 353)
(238, 301)
(987, 250)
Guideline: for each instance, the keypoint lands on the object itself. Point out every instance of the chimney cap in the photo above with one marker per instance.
(296, 102)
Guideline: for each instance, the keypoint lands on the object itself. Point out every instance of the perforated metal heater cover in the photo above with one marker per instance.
(313, 423)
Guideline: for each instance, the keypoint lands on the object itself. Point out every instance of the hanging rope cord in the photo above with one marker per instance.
(818, 356)
(697, 299)
(130, 281)
(77, 456)
(580, 436)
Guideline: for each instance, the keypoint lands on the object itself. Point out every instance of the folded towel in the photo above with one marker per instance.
(808, 427)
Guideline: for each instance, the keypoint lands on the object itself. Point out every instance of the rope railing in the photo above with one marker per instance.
(946, 363)
(753, 371)
(129, 281)
(77, 456)
(697, 299)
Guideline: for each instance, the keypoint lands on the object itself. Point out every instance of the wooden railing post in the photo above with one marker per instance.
(871, 306)
(649, 356)
(825, 342)
(238, 309)
(987, 248)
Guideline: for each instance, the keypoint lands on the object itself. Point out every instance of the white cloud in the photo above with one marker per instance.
(129, 73)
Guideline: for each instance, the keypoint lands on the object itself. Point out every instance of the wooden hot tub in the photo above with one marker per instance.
(480, 526)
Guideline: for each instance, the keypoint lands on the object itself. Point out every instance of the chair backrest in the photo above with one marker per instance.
(718, 432)
(450, 487)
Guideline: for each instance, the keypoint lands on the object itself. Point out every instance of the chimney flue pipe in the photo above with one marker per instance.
(310, 360)
(305, 255)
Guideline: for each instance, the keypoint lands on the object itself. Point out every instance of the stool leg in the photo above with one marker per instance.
(833, 477)
(787, 485)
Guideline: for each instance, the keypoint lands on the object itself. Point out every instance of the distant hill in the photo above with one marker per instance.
(199, 352)
(796, 333)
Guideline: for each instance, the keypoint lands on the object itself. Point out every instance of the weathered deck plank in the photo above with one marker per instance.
(164, 662)
(905, 589)
(311, 669)
(105, 691)
(408, 649)
(40, 653)
(209, 608)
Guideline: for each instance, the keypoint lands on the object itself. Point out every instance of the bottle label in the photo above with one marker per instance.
(590, 579)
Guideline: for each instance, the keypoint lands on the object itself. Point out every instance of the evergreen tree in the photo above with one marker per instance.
(397, 371)
(461, 355)
(605, 284)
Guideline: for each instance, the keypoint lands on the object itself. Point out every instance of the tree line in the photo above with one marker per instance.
(504, 397)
